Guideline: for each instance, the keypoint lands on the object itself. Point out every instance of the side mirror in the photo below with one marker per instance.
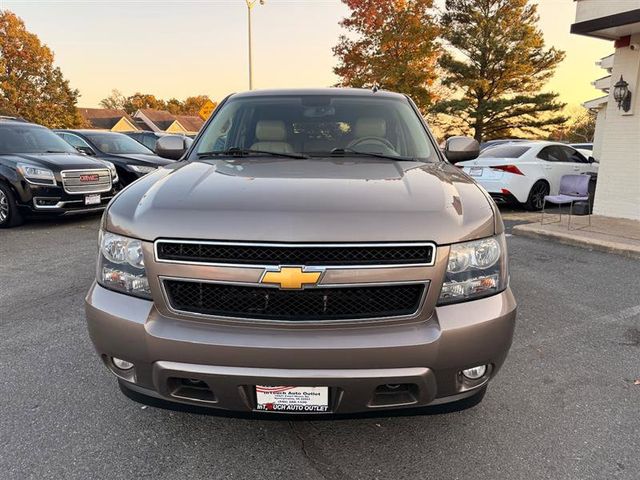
(592, 160)
(172, 147)
(86, 150)
(459, 149)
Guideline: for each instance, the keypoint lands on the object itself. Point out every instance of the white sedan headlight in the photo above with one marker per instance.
(475, 269)
(36, 175)
(121, 265)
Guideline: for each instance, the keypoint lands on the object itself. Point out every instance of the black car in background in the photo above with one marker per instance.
(148, 139)
(132, 159)
(40, 174)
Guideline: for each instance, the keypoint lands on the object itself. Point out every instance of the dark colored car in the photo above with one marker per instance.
(148, 139)
(132, 160)
(42, 175)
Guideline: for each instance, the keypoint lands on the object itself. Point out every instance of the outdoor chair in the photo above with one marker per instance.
(573, 188)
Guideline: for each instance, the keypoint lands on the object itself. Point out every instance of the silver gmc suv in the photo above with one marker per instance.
(312, 252)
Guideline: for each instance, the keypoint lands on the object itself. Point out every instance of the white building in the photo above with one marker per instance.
(617, 138)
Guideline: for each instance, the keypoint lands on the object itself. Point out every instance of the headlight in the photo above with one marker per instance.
(142, 168)
(475, 269)
(121, 265)
(112, 169)
(36, 175)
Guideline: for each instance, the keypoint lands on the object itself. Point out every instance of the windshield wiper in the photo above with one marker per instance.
(345, 152)
(245, 152)
(56, 151)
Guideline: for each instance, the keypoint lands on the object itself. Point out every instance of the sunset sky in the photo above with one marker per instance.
(183, 48)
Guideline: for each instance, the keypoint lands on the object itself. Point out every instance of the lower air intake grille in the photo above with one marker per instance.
(294, 305)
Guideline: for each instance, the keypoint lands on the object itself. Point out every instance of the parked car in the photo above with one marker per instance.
(495, 143)
(149, 139)
(525, 172)
(585, 149)
(132, 160)
(42, 175)
(582, 146)
(313, 252)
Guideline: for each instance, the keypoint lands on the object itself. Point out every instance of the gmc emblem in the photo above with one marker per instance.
(92, 177)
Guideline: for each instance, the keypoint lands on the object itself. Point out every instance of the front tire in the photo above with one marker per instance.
(9, 214)
(535, 201)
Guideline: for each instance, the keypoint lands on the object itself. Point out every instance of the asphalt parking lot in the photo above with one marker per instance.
(564, 406)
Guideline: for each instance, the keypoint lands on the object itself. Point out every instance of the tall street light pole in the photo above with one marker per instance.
(250, 5)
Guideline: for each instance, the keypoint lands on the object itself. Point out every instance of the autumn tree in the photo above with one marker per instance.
(581, 130)
(115, 101)
(496, 61)
(31, 86)
(132, 103)
(143, 100)
(391, 43)
(192, 105)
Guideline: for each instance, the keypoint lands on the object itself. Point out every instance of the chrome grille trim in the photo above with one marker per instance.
(298, 245)
(72, 184)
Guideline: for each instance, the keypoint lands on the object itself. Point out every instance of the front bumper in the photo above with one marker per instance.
(41, 200)
(353, 361)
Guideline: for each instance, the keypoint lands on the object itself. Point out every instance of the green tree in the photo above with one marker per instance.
(30, 85)
(498, 64)
(393, 44)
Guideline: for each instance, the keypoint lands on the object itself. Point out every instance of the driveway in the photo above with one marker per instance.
(564, 406)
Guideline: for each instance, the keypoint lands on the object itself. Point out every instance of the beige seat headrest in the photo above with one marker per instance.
(271, 131)
(370, 127)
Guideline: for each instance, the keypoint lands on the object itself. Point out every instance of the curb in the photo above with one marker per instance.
(533, 231)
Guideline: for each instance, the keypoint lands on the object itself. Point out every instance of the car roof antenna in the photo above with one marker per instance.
(376, 87)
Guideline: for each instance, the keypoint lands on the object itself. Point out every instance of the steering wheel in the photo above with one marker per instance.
(382, 141)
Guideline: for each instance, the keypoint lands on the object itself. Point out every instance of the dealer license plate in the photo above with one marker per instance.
(475, 171)
(292, 399)
(92, 199)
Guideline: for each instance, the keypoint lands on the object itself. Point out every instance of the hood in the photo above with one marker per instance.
(283, 200)
(58, 161)
(144, 158)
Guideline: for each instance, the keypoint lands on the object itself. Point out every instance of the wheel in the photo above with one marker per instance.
(9, 214)
(539, 190)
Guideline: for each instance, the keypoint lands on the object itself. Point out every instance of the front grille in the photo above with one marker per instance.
(294, 305)
(378, 254)
(82, 181)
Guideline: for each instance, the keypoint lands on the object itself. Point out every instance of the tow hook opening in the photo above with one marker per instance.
(394, 394)
(192, 389)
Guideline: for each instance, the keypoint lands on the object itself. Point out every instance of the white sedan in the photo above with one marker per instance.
(526, 171)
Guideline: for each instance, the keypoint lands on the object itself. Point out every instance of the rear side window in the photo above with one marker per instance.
(504, 151)
(553, 154)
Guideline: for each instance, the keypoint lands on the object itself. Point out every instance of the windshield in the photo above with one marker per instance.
(117, 143)
(504, 151)
(31, 139)
(317, 125)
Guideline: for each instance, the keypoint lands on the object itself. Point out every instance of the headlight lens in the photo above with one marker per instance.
(121, 265)
(142, 168)
(475, 269)
(112, 169)
(37, 175)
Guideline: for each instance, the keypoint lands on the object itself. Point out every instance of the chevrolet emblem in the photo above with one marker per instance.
(291, 278)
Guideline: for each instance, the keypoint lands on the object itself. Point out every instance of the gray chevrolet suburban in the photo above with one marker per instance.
(313, 251)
